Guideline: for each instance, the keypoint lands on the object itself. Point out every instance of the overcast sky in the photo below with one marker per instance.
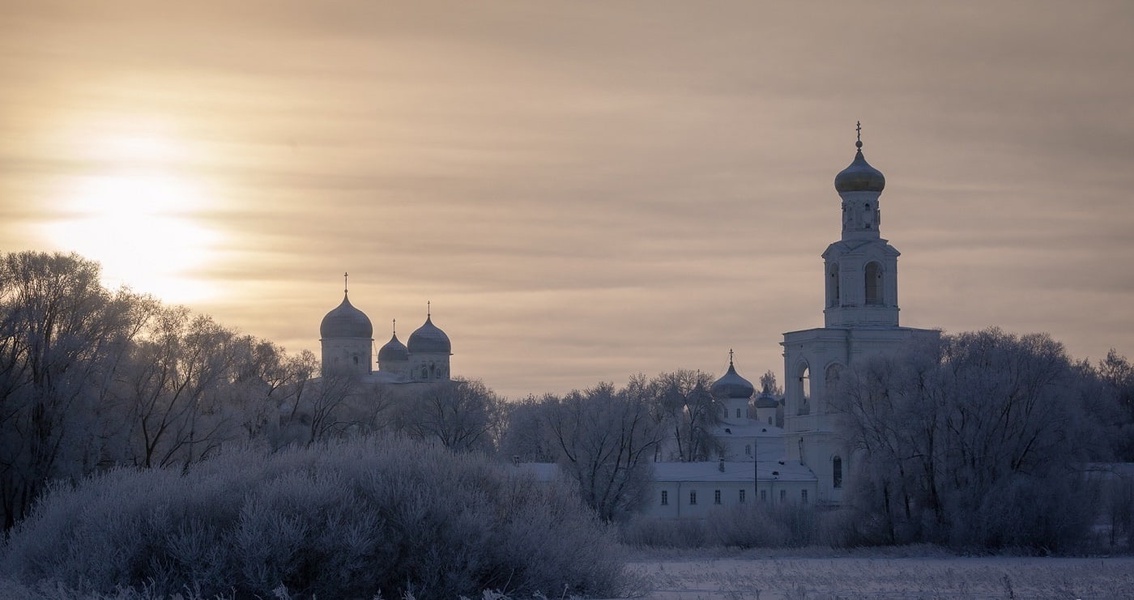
(584, 191)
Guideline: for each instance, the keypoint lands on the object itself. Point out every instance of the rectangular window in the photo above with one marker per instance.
(763, 495)
(693, 497)
(738, 413)
(742, 496)
(716, 496)
(664, 497)
(803, 496)
(783, 496)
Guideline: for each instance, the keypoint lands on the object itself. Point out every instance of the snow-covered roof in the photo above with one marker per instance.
(733, 471)
(751, 429)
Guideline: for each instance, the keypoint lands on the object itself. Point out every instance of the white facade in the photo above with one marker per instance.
(693, 490)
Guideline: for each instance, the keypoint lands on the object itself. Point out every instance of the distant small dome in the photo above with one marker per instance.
(429, 339)
(346, 321)
(393, 351)
(766, 400)
(859, 176)
(732, 385)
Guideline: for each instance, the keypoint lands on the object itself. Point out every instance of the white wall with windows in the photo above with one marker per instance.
(693, 490)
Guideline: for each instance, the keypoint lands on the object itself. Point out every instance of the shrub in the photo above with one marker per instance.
(349, 519)
(751, 526)
(654, 532)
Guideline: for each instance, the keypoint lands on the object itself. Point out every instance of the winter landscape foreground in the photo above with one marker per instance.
(920, 572)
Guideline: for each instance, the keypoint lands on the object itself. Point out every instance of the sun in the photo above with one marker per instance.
(135, 213)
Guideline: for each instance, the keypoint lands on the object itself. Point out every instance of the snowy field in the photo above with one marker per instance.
(922, 574)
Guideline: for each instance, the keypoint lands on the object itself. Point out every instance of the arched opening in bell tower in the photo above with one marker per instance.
(833, 291)
(804, 407)
(873, 282)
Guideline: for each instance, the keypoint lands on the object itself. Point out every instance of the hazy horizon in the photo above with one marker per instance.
(583, 192)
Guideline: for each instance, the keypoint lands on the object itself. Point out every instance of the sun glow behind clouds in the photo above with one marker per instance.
(138, 227)
(136, 215)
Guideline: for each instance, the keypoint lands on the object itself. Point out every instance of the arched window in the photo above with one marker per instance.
(837, 472)
(873, 283)
(805, 388)
(833, 286)
(831, 382)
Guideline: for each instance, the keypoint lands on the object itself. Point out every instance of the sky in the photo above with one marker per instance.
(582, 191)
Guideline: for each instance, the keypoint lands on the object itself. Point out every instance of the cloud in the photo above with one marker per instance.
(589, 191)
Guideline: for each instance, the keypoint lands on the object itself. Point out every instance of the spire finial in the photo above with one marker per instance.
(730, 357)
(345, 286)
(395, 327)
(858, 130)
(428, 310)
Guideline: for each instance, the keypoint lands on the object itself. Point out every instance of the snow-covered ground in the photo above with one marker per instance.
(923, 573)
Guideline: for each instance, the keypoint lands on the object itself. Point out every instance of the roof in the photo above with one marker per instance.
(394, 350)
(429, 339)
(709, 472)
(731, 385)
(346, 321)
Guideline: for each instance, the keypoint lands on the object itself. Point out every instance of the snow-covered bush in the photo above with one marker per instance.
(751, 526)
(349, 519)
(655, 532)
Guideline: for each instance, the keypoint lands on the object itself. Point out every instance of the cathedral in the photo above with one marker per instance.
(791, 451)
(347, 343)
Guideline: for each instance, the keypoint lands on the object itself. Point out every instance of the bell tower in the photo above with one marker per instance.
(860, 273)
(861, 269)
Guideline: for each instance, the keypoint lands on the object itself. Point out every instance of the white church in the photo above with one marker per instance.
(792, 453)
(347, 345)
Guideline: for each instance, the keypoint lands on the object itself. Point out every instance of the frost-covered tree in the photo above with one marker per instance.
(527, 434)
(463, 415)
(980, 424)
(1117, 375)
(62, 336)
(174, 390)
(606, 440)
(92, 378)
(769, 385)
(682, 405)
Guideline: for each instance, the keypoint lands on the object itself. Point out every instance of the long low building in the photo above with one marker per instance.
(694, 489)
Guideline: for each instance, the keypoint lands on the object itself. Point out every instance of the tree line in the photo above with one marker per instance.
(987, 439)
(92, 379)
